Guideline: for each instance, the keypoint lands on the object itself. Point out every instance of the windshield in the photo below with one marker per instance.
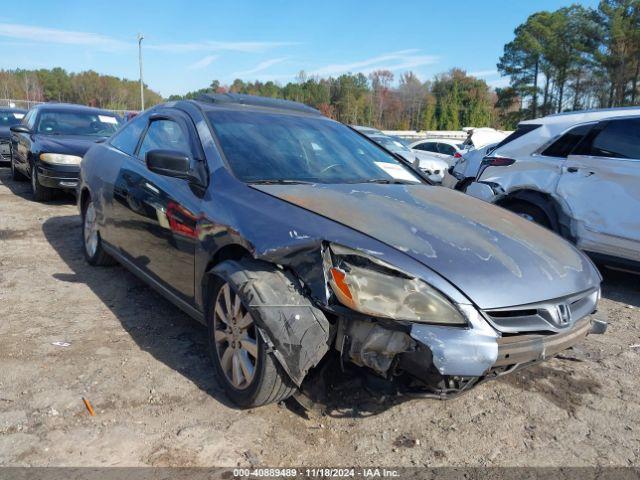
(276, 148)
(77, 123)
(9, 118)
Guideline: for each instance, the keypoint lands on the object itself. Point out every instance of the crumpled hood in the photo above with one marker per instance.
(70, 145)
(494, 257)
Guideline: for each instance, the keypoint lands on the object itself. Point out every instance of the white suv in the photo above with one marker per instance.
(576, 173)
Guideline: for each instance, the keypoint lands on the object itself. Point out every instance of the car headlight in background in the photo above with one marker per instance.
(369, 286)
(60, 159)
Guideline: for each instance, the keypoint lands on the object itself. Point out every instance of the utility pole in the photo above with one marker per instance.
(140, 38)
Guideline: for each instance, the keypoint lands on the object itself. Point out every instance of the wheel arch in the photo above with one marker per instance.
(296, 331)
(231, 251)
(84, 196)
(560, 222)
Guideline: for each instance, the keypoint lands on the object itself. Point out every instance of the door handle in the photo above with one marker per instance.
(572, 169)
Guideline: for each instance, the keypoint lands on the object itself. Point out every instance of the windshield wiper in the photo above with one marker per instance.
(389, 181)
(281, 182)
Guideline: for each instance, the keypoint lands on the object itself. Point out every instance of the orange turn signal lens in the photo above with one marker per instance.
(338, 278)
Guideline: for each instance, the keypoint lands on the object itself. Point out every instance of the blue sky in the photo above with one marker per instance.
(188, 44)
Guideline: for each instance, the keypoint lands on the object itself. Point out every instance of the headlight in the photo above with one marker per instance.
(367, 285)
(60, 159)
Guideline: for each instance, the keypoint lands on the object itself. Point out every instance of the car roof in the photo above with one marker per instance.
(551, 127)
(72, 107)
(9, 109)
(581, 116)
(213, 101)
(448, 141)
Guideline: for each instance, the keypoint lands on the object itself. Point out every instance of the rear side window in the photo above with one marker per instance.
(427, 147)
(520, 131)
(618, 139)
(126, 140)
(446, 149)
(567, 142)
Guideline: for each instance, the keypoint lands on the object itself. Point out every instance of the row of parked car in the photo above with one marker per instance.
(575, 173)
(304, 245)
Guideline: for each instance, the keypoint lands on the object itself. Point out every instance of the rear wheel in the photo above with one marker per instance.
(530, 212)
(40, 192)
(91, 241)
(250, 375)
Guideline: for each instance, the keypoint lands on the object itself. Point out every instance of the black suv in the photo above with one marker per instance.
(290, 235)
(49, 143)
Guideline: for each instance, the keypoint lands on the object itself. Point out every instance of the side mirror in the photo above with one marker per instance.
(169, 163)
(20, 129)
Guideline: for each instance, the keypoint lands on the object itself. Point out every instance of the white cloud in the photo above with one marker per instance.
(203, 63)
(484, 73)
(499, 82)
(261, 67)
(35, 34)
(64, 37)
(389, 61)
(215, 46)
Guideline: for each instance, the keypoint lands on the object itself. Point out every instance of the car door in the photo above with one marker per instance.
(600, 183)
(158, 214)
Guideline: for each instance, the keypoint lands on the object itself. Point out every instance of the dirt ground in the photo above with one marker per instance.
(143, 365)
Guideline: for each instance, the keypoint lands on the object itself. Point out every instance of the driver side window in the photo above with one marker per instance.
(164, 135)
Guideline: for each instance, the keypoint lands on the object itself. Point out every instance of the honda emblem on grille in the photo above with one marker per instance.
(563, 314)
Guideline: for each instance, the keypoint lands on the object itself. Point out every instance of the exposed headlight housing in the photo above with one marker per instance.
(370, 286)
(60, 159)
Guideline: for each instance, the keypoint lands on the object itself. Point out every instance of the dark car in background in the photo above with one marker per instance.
(290, 235)
(48, 145)
(8, 118)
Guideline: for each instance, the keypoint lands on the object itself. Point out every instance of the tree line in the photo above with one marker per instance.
(569, 59)
(86, 88)
(574, 58)
(449, 102)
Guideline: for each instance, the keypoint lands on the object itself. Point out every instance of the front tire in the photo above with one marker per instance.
(40, 192)
(94, 252)
(250, 375)
(15, 174)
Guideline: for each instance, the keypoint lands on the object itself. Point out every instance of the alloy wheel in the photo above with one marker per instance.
(527, 216)
(90, 229)
(235, 339)
(34, 180)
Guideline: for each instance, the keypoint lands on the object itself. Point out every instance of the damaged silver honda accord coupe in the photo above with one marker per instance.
(296, 239)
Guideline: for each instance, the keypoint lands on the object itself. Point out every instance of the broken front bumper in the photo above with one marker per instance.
(455, 352)
(483, 191)
(474, 354)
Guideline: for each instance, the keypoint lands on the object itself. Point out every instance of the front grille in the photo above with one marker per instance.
(552, 316)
